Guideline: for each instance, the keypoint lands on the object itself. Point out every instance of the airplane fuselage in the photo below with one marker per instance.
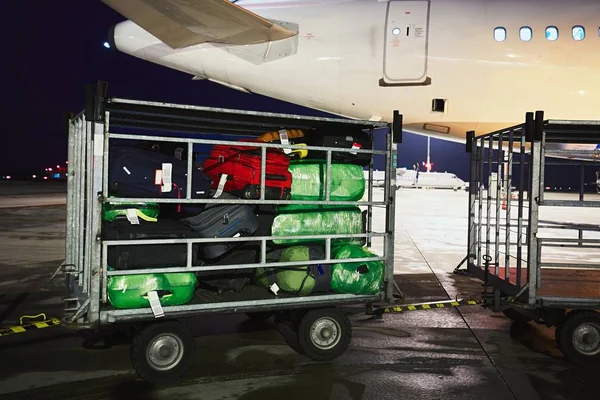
(365, 58)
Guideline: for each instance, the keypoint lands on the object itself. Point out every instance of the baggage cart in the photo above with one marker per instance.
(161, 345)
(538, 260)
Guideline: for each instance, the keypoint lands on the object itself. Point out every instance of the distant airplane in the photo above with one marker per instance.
(408, 178)
(449, 66)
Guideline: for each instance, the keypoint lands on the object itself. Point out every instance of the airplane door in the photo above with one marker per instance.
(406, 35)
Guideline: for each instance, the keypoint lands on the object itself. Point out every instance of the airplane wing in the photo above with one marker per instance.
(182, 23)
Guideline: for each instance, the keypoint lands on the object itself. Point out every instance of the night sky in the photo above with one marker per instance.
(55, 48)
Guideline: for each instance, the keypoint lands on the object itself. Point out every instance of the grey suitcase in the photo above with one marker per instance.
(223, 221)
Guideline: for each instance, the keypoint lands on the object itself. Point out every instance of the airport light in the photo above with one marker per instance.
(107, 45)
(34, 176)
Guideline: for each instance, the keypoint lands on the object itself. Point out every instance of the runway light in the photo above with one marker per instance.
(34, 176)
(58, 166)
(107, 45)
(49, 169)
(8, 177)
(45, 178)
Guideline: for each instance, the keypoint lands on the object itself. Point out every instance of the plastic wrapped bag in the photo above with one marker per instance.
(356, 277)
(318, 222)
(130, 291)
(308, 181)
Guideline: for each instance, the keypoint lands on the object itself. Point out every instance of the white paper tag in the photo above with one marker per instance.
(222, 182)
(132, 216)
(157, 309)
(283, 137)
(274, 288)
(158, 177)
(126, 170)
(354, 147)
(167, 173)
(98, 144)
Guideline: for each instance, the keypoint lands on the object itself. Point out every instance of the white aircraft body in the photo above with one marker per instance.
(449, 66)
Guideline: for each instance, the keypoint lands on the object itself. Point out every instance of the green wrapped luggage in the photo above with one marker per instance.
(130, 291)
(318, 222)
(146, 211)
(299, 280)
(356, 277)
(308, 182)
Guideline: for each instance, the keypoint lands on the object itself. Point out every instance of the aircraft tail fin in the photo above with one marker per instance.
(183, 23)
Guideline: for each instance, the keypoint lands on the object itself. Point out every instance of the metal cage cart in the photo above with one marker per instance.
(161, 345)
(534, 264)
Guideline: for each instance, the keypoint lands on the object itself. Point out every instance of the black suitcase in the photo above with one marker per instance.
(231, 279)
(149, 255)
(356, 139)
(132, 173)
(223, 221)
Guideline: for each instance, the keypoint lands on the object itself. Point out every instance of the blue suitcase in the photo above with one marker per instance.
(133, 173)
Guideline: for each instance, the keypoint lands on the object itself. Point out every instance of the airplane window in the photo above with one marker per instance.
(578, 32)
(552, 33)
(525, 33)
(499, 34)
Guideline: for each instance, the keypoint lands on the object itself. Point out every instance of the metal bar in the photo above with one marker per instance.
(473, 186)
(90, 149)
(542, 178)
(194, 268)
(499, 199)
(569, 265)
(241, 201)
(234, 113)
(570, 203)
(131, 136)
(301, 301)
(567, 240)
(263, 172)
(508, 191)
(104, 281)
(532, 256)
(520, 209)
(96, 220)
(328, 176)
(134, 242)
(370, 187)
(69, 234)
(190, 165)
(390, 229)
(489, 197)
(582, 182)
(480, 200)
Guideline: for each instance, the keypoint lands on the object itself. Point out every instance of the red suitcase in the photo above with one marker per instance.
(242, 166)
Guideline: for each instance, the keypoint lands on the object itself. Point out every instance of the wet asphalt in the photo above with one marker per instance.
(466, 353)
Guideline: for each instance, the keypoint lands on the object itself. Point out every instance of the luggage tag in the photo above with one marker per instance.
(167, 175)
(132, 216)
(222, 182)
(157, 309)
(354, 147)
(283, 137)
(274, 288)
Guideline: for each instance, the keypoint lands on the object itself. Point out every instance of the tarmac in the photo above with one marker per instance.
(458, 353)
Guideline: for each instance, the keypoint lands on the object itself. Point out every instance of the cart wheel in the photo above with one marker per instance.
(162, 352)
(578, 337)
(324, 334)
(516, 316)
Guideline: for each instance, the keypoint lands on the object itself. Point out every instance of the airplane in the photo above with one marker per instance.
(449, 66)
(409, 178)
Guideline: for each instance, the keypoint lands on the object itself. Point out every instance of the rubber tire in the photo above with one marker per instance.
(516, 316)
(564, 334)
(143, 339)
(304, 336)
